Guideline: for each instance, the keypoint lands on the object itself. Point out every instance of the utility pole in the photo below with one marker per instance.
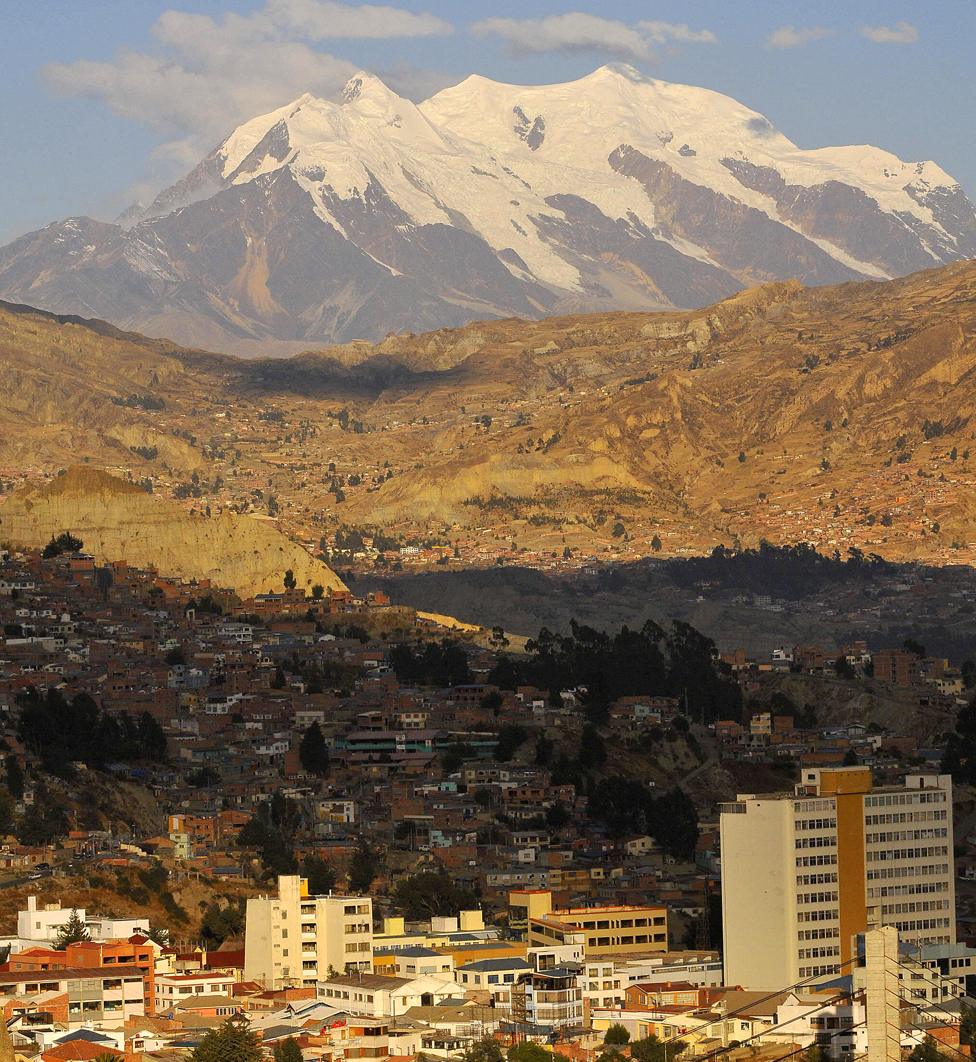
(883, 996)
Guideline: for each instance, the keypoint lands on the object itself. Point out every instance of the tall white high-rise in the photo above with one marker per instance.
(801, 870)
(294, 939)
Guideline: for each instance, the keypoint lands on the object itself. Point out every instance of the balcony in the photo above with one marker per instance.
(570, 996)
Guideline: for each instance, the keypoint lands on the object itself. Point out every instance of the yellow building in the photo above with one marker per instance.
(611, 929)
(465, 939)
(801, 870)
(294, 939)
(524, 904)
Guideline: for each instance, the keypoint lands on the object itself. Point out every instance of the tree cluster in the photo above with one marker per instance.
(61, 732)
(789, 572)
(63, 543)
(364, 867)
(234, 1041)
(959, 758)
(221, 923)
(313, 751)
(441, 663)
(431, 892)
(271, 830)
(678, 662)
(627, 806)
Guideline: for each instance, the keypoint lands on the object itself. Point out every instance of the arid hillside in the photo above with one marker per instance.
(842, 416)
(119, 521)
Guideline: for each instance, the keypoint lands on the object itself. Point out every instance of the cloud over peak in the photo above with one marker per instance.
(577, 31)
(207, 75)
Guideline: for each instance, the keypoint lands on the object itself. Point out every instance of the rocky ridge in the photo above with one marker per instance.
(119, 521)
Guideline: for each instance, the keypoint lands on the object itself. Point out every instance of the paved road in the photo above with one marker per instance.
(14, 882)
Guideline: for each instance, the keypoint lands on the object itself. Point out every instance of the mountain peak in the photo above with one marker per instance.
(618, 70)
(615, 190)
(362, 86)
(301, 101)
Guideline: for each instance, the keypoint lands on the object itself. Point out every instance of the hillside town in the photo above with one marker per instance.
(488, 531)
(402, 849)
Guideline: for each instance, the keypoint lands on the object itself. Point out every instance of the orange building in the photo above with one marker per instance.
(91, 954)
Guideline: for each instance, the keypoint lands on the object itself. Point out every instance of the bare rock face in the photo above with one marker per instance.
(119, 521)
(327, 222)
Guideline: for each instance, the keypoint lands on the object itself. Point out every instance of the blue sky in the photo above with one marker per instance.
(106, 100)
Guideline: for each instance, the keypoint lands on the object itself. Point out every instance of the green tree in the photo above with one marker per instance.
(272, 831)
(45, 821)
(313, 751)
(843, 668)
(511, 737)
(234, 1041)
(967, 1024)
(927, 1051)
(73, 931)
(453, 757)
(287, 1051)
(487, 1049)
(321, 877)
(616, 1034)
(63, 543)
(593, 749)
(652, 1049)
(6, 811)
(15, 777)
(289, 580)
(528, 1052)
(959, 758)
(674, 823)
(557, 816)
(317, 591)
(203, 777)
(221, 923)
(364, 867)
(431, 892)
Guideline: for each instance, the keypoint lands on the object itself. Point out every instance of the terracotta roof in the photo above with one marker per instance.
(79, 1051)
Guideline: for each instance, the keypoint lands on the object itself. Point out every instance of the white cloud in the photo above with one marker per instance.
(662, 32)
(207, 76)
(793, 37)
(899, 33)
(321, 20)
(577, 31)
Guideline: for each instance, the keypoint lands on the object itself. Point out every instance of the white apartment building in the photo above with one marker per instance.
(39, 925)
(171, 989)
(376, 996)
(800, 871)
(295, 939)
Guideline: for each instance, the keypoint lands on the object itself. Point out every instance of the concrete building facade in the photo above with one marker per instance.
(801, 870)
(294, 939)
(608, 930)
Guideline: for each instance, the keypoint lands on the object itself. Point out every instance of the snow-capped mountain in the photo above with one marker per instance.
(326, 221)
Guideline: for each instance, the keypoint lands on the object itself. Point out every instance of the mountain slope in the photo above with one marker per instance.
(118, 521)
(841, 415)
(324, 222)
